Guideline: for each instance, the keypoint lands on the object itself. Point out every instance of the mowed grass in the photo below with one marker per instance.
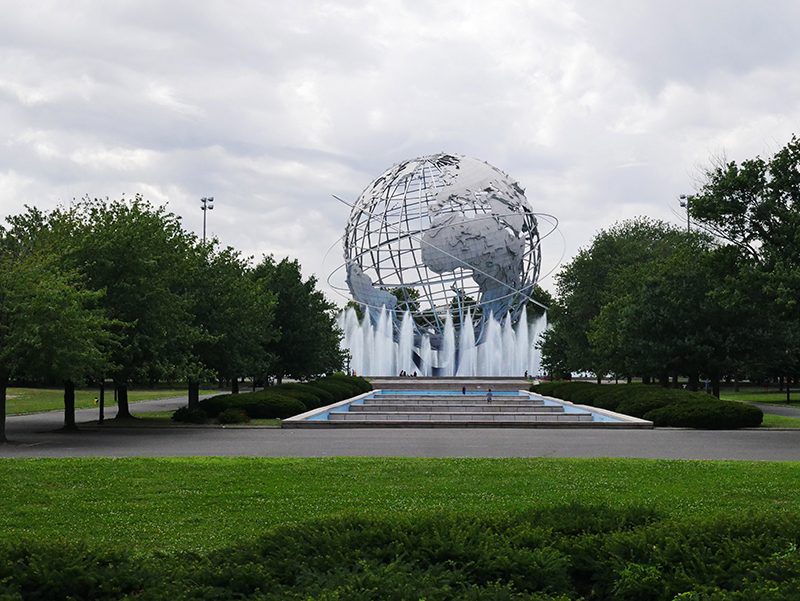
(756, 394)
(34, 400)
(200, 504)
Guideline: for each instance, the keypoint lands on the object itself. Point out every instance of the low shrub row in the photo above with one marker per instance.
(665, 407)
(548, 553)
(275, 402)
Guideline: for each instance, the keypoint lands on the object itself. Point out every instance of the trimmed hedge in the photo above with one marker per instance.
(550, 553)
(707, 415)
(665, 407)
(362, 384)
(257, 405)
(339, 390)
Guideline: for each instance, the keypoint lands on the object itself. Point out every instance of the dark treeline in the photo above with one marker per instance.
(721, 301)
(118, 290)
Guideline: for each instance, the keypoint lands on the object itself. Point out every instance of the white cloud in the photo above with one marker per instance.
(602, 110)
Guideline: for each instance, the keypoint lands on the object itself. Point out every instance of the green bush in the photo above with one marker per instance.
(568, 389)
(233, 416)
(706, 414)
(545, 553)
(545, 388)
(362, 384)
(262, 404)
(215, 405)
(299, 392)
(587, 395)
(339, 390)
(193, 415)
(343, 381)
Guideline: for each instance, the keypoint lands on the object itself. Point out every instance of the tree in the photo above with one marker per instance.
(666, 318)
(755, 206)
(584, 286)
(234, 314)
(309, 342)
(137, 254)
(48, 330)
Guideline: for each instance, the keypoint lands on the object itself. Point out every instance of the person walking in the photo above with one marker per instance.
(489, 396)
(463, 390)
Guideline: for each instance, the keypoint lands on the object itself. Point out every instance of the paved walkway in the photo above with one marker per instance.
(36, 436)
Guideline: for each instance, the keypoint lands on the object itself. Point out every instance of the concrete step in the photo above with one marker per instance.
(390, 416)
(453, 399)
(453, 408)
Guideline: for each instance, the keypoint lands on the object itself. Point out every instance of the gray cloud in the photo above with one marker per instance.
(601, 110)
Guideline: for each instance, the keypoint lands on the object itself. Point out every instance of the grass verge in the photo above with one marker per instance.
(200, 504)
(34, 400)
(780, 421)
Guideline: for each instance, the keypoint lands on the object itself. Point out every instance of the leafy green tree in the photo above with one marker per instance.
(309, 342)
(137, 254)
(755, 206)
(234, 315)
(665, 318)
(584, 288)
(48, 330)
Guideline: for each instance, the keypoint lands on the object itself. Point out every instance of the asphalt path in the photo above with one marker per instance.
(38, 435)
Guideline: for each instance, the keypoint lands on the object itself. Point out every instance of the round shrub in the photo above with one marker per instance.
(309, 399)
(339, 391)
(215, 405)
(263, 404)
(567, 390)
(233, 416)
(269, 405)
(193, 415)
(706, 414)
(586, 396)
(545, 388)
(354, 388)
(325, 397)
(357, 381)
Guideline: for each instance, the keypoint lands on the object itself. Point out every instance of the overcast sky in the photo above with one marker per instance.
(602, 110)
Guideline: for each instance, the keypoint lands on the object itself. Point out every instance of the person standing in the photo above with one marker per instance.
(489, 396)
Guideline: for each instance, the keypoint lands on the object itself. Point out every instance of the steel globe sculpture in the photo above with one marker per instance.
(445, 238)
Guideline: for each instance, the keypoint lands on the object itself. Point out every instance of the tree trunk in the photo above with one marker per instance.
(694, 379)
(663, 380)
(675, 381)
(194, 393)
(3, 388)
(69, 406)
(736, 382)
(279, 379)
(715, 383)
(788, 389)
(123, 410)
(630, 379)
(102, 415)
(645, 380)
(599, 380)
(234, 385)
(780, 384)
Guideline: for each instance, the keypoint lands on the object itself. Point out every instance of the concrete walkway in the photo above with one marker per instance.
(37, 436)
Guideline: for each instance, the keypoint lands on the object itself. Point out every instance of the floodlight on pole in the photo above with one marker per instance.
(206, 204)
(684, 200)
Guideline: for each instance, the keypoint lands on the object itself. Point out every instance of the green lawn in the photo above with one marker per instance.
(33, 400)
(759, 395)
(206, 503)
(779, 421)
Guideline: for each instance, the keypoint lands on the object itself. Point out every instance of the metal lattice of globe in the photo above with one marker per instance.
(438, 234)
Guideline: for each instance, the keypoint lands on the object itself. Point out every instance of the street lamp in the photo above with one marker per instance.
(685, 203)
(206, 204)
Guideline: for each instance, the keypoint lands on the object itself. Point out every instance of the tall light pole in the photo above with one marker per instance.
(206, 204)
(684, 200)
